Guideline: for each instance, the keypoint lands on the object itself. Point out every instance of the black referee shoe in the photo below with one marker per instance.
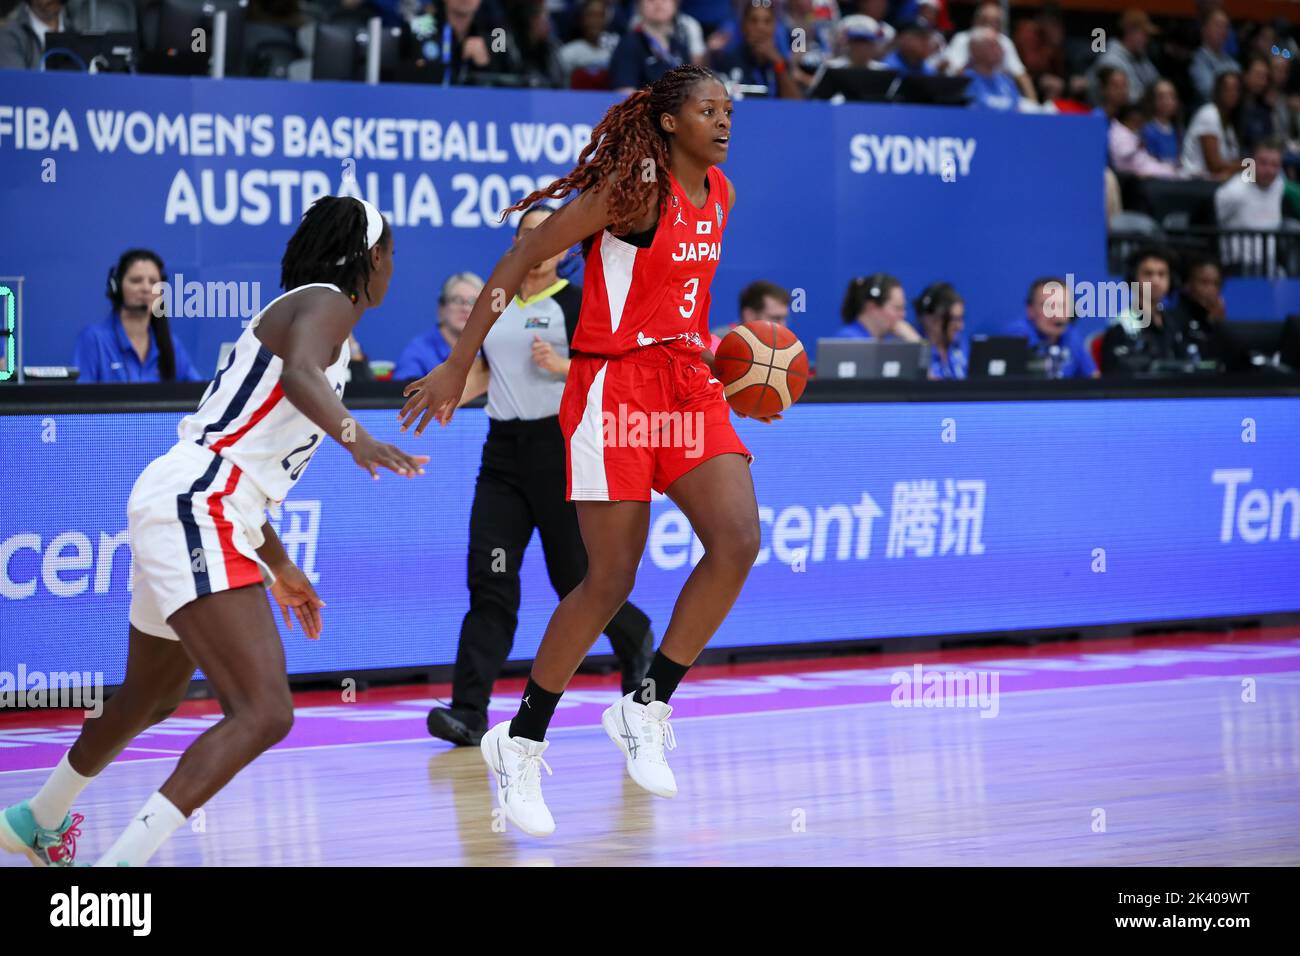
(634, 668)
(464, 728)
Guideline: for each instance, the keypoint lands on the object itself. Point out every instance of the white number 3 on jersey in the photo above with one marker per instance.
(693, 285)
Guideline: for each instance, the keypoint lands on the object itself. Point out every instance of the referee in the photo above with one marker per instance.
(520, 487)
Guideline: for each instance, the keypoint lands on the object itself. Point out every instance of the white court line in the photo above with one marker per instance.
(758, 713)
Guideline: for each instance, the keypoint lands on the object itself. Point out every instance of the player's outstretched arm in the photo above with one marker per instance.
(311, 344)
(438, 393)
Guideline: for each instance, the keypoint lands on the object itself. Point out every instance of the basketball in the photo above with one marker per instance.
(763, 368)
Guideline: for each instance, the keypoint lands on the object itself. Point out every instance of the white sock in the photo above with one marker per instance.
(145, 834)
(50, 807)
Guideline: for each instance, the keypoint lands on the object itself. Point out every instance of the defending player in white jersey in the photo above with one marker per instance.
(202, 548)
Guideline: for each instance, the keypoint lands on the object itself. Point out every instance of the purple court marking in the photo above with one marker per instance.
(38, 747)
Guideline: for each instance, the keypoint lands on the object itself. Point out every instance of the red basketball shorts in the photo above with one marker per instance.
(640, 421)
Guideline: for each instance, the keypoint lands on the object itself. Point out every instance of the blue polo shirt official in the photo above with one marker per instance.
(105, 354)
(954, 368)
(422, 355)
(1069, 356)
(856, 330)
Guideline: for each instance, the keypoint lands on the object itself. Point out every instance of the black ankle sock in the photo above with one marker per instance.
(660, 680)
(535, 712)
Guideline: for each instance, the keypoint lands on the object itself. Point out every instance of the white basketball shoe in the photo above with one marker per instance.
(642, 732)
(517, 763)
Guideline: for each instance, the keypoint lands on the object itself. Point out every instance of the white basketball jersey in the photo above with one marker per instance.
(245, 418)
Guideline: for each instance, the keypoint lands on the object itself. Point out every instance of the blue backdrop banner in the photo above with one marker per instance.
(879, 520)
(214, 176)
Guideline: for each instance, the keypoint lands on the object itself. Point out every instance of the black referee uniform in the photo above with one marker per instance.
(520, 488)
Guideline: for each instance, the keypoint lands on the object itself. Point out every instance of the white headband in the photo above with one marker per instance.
(374, 227)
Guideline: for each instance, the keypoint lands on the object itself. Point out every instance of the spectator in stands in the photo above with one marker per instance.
(1286, 105)
(860, 45)
(758, 61)
(1212, 58)
(1142, 334)
(1259, 40)
(651, 48)
(1130, 54)
(1040, 44)
(537, 54)
(1210, 146)
(1127, 154)
(875, 307)
(134, 343)
(1163, 134)
(941, 313)
(585, 58)
(1112, 91)
(1202, 316)
(957, 54)
(431, 349)
(692, 32)
(1048, 327)
(1256, 119)
(469, 24)
(991, 87)
(1252, 202)
(927, 13)
(22, 36)
(759, 301)
(819, 21)
(911, 49)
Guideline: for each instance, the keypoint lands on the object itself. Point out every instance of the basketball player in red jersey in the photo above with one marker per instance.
(641, 411)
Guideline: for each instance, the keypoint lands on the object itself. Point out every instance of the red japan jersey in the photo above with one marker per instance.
(633, 297)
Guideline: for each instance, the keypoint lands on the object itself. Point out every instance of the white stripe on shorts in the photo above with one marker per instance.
(587, 446)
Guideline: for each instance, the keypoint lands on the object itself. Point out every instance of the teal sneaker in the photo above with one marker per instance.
(19, 833)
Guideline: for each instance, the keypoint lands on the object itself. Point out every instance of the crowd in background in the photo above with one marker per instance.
(1200, 103)
(1036, 63)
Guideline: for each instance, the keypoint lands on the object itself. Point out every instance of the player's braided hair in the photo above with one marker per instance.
(621, 143)
(333, 228)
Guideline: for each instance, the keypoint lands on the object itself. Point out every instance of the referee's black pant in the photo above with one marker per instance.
(521, 487)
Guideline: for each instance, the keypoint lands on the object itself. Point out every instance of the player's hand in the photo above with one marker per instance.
(766, 421)
(291, 589)
(434, 396)
(373, 455)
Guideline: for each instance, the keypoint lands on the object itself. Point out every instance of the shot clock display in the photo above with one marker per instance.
(8, 331)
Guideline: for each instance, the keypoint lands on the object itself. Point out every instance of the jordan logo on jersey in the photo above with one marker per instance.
(679, 221)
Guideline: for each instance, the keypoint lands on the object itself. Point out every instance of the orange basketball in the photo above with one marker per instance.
(763, 368)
